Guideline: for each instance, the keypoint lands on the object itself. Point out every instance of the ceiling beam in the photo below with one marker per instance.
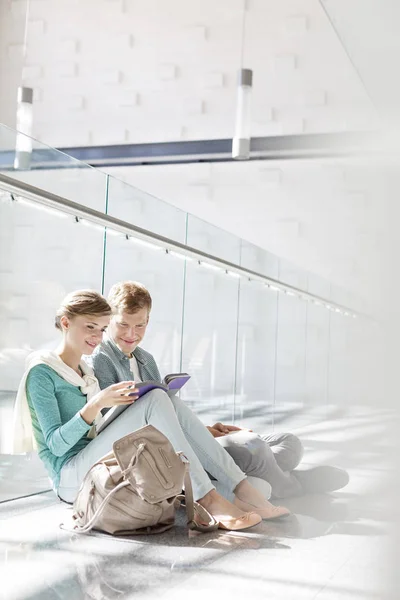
(316, 145)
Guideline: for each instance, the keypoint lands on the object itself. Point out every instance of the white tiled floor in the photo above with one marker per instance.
(333, 547)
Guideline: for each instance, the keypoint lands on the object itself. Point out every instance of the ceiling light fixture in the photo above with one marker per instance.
(233, 274)
(23, 141)
(242, 134)
(24, 118)
(209, 266)
(143, 243)
(178, 255)
(51, 211)
(241, 139)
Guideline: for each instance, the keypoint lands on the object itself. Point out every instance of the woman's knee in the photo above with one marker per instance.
(156, 400)
(157, 395)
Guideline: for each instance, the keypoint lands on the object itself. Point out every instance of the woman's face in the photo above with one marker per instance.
(83, 333)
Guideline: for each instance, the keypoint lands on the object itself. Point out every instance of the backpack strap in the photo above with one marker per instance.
(106, 460)
(91, 523)
(205, 521)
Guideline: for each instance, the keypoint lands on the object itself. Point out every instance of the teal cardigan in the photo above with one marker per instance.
(59, 430)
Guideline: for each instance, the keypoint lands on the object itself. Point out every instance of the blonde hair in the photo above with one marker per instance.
(82, 302)
(129, 296)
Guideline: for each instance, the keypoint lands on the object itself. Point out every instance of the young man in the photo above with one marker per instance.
(271, 458)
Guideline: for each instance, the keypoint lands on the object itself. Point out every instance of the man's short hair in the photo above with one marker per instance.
(129, 296)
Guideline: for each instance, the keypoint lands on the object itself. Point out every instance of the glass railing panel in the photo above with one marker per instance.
(259, 260)
(163, 276)
(255, 369)
(144, 210)
(367, 364)
(349, 346)
(53, 171)
(349, 298)
(292, 274)
(290, 382)
(317, 349)
(210, 325)
(338, 367)
(213, 240)
(339, 295)
(43, 256)
(355, 362)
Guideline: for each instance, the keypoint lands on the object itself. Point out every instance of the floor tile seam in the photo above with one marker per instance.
(30, 510)
(334, 574)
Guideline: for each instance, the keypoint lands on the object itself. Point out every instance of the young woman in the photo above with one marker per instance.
(64, 400)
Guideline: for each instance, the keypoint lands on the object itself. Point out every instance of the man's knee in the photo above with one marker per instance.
(289, 451)
(248, 451)
(295, 444)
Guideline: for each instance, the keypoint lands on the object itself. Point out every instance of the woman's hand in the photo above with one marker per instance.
(118, 393)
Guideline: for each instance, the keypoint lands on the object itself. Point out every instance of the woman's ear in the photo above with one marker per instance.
(64, 322)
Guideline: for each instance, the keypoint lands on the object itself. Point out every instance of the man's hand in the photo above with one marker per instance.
(219, 429)
(214, 432)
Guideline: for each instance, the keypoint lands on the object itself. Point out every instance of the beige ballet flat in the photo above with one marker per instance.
(245, 521)
(269, 513)
(277, 512)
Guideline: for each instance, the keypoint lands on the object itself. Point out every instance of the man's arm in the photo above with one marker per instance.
(150, 369)
(104, 370)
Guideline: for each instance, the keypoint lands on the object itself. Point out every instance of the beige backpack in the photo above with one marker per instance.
(136, 489)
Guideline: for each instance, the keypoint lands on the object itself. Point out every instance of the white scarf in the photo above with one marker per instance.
(23, 438)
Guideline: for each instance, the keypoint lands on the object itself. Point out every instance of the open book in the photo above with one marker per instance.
(171, 384)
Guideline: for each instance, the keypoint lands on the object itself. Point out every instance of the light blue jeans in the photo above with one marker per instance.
(180, 425)
(223, 485)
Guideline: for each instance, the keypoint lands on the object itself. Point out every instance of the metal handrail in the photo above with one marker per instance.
(79, 211)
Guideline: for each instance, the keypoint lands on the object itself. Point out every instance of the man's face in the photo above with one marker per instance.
(127, 330)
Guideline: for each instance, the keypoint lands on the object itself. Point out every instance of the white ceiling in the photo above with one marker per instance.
(369, 33)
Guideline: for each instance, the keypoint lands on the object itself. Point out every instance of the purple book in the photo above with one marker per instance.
(171, 384)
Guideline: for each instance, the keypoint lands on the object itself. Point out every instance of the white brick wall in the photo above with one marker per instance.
(118, 72)
(153, 71)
